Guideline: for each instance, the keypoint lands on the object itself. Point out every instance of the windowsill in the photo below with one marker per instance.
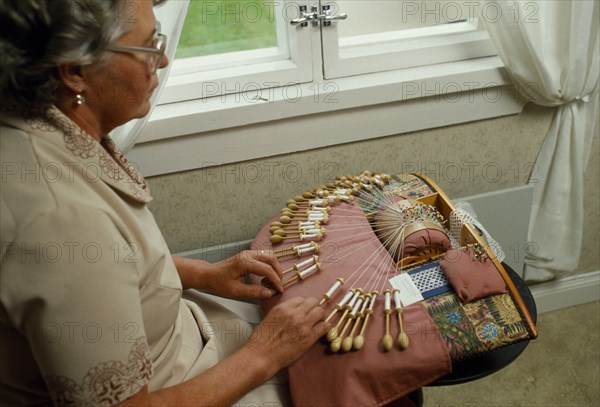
(258, 124)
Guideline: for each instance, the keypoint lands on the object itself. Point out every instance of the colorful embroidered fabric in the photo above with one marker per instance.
(477, 327)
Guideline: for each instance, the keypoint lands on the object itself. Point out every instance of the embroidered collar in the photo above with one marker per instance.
(115, 169)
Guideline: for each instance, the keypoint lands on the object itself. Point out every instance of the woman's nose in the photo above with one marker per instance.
(164, 63)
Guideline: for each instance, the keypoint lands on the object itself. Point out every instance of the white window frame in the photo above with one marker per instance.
(215, 75)
(404, 48)
(291, 116)
(197, 134)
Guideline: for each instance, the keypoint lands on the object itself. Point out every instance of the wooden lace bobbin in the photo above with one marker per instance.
(321, 202)
(313, 266)
(357, 314)
(294, 249)
(371, 180)
(300, 203)
(309, 214)
(337, 197)
(296, 226)
(402, 337)
(306, 196)
(301, 275)
(298, 250)
(331, 292)
(365, 187)
(304, 231)
(302, 237)
(387, 342)
(314, 228)
(341, 305)
(350, 307)
(308, 262)
(322, 218)
(359, 340)
(314, 216)
(293, 226)
(298, 207)
(336, 194)
(345, 304)
(377, 180)
(305, 202)
(323, 210)
(340, 198)
(308, 211)
(311, 247)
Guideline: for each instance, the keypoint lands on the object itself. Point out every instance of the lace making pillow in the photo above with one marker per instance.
(425, 237)
(472, 274)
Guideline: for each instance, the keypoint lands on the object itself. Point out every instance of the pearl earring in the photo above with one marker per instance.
(79, 99)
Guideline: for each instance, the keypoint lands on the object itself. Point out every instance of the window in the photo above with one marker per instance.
(383, 35)
(217, 27)
(392, 65)
(235, 46)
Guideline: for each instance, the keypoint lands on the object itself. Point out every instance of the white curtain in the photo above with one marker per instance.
(171, 16)
(550, 49)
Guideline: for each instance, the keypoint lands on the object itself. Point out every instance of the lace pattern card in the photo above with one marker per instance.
(430, 279)
(421, 283)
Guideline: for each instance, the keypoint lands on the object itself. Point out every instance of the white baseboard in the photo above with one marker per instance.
(566, 292)
(549, 296)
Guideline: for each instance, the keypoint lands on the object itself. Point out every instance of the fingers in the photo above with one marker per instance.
(317, 315)
(289, 330)
(309, 320)
(322, 327)
(264, 263)
(307, 309)
(255, 291)
(268, 257)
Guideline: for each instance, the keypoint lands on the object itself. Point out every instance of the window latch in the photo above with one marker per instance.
(326, 16)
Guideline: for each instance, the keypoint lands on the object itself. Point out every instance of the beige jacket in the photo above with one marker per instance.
(91, 306)
(90, 300)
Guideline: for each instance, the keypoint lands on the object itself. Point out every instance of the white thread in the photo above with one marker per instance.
(346, 298)
(356, 307)
(306, 262)
(397, 301)
(310, 270)
(373, 300)
(333, 289)
(387, 300)
(354, 298)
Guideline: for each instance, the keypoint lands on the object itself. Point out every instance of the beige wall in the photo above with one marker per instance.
(230, 203)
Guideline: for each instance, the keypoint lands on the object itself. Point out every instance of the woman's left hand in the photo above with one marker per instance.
(226, 277)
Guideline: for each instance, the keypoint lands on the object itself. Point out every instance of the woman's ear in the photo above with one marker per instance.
(72, 77)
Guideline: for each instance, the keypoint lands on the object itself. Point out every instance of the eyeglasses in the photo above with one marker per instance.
(157, 51)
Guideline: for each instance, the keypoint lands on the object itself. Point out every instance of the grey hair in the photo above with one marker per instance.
(39, 35)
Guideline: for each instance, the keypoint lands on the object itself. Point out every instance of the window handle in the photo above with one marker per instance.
(326, 16)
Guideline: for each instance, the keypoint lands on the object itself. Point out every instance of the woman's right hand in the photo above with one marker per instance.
(288, 331)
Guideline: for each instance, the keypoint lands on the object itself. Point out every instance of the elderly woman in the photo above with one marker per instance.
(91, 307)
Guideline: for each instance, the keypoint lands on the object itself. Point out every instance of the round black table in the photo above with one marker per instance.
(488, 363)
